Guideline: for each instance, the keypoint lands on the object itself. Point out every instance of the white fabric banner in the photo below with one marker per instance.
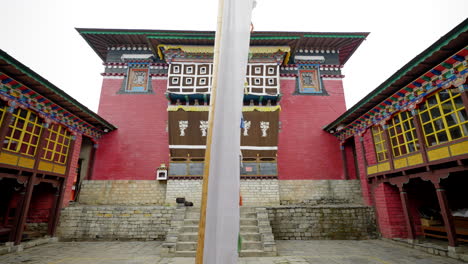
(222, 215)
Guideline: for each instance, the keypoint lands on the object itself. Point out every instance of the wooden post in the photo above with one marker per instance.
(406, 211)
(363, 150)
(446, 215)
(209, 138)
(92, 158)
(62, 189)
(52, 210)
(24, 209)
(420, 135)
(345, 161)
(19, 208)
(388, 145)
(5, 125)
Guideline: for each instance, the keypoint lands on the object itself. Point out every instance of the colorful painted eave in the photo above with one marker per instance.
(101, 39)
(100, 123)
(450, 74)
(454, 35)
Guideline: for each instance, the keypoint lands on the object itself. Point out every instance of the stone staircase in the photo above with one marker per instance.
(256, 233)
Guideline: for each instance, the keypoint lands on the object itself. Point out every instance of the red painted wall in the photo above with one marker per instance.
(140, 144)
(370, 158)
(42, 201)
(72, 171)
(305, 151)
(390, 214)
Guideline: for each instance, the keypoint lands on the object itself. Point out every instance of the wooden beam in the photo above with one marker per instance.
(209, 139)
(5, 125)
(345, 162)
(446, 215)
(62, 189)
(407, 212)
(24, 209)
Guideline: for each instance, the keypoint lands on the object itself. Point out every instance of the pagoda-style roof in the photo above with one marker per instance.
(28, 80)
(101, 39)
(438, 57)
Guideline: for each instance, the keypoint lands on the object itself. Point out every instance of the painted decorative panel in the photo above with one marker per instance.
(309, 81)
(400, 163)
(137, 80)
(384, 166)
(415, 159)
(372, 169)
(439, 153)
(459, 148)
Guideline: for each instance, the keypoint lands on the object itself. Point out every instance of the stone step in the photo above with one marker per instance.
(189, 229)
(251, 237)
(256, 253)
(191, 222)
(248, 215)
(193, 237)
(249, 229)
(243, 222)
(185, 254)
(248, 222)
(186, 246)
(188, 237)
(251, 245)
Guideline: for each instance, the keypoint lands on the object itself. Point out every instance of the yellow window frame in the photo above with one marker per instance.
(3, 110)
(19, 135)
(442, 116)
(379, 143)
(402, 134)
(57, 144)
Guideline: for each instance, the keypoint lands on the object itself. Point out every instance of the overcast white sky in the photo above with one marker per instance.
(41, 34)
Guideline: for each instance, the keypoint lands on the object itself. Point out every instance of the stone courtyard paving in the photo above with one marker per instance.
(290, 252)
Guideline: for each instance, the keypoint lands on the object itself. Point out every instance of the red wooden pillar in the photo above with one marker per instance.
(344, 160)
(406, 211)
(24, 209)
(92, 158)
(19, 209)
(50, 226)
(62, 189)
(420, 134)
(446, 215)
(388, 145)
(5, 125)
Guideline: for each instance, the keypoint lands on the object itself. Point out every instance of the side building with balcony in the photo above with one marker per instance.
(156, 89)
(411, 137)
(48, 141)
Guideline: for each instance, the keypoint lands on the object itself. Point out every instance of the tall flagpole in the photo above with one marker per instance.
(209, 137)
(219, 212)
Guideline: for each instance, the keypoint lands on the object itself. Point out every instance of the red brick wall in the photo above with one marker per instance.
(390, 214)
(140, 144)
(41, 201)
(72, 171)
(368, 146)
(305, 151)
(350, 160)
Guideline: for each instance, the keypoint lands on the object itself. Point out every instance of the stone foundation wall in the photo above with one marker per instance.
(123, 192)
(259, 192)
(190, 189)
(115, 222)
(313, 192)
(322, 222)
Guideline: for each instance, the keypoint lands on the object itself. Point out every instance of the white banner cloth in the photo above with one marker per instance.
(222, 215)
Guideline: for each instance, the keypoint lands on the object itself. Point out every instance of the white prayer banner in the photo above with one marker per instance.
(222, 215)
